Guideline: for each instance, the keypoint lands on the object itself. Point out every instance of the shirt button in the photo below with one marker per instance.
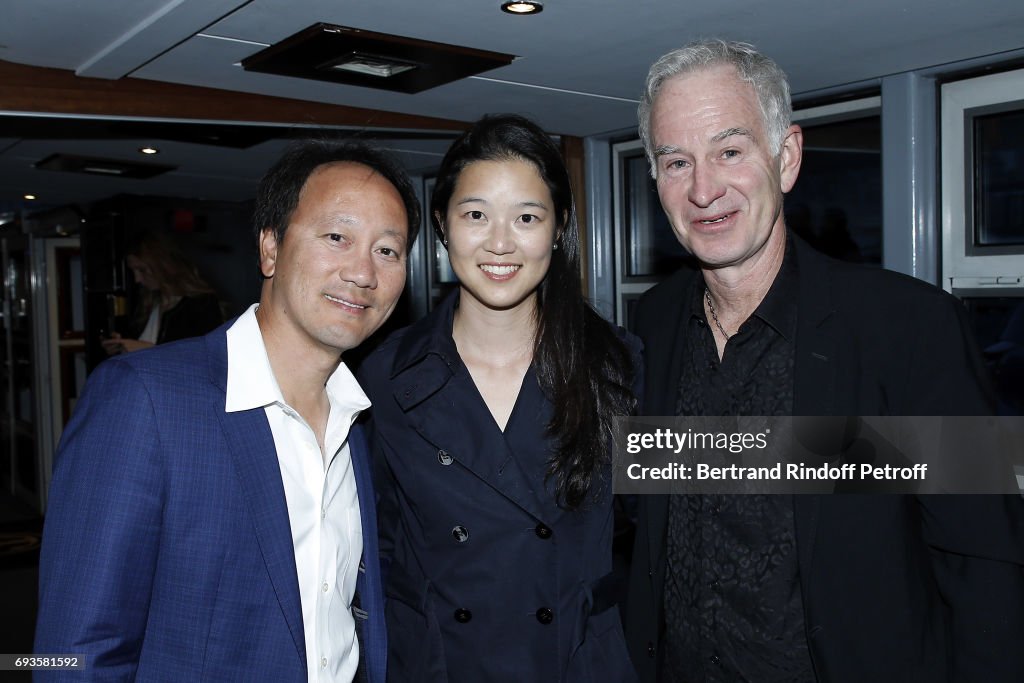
(323, 662)
(460, 534)
(463, 616)
(324, 587)
(444, 458)
(543, 531)
(323, 513)
(545, 615)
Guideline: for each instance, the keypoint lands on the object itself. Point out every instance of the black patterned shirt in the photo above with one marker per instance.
(732, 603)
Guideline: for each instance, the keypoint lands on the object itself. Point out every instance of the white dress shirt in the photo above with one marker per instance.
(320, 489)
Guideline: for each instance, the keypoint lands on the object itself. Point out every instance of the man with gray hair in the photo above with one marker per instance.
(846, 588)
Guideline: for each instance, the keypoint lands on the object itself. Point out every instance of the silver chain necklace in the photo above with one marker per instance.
(714, 316)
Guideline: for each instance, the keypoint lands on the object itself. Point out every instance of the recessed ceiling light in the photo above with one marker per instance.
(30, 197)
(370, 65)
(149, 150)
(522, 7)
(103, 170)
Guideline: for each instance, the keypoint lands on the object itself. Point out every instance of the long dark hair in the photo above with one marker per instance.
(581, 364)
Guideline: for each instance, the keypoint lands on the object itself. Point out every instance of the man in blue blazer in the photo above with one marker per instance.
(211, 515)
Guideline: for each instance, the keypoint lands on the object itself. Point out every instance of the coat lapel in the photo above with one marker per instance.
(814, 384)
(659, 324)
(815, 381)
(368, 583)
(430, 379)
(440, 385)
(254, 455)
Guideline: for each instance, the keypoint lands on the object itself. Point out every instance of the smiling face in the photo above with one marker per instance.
(338, 272)
(718, 182)
(501, 227)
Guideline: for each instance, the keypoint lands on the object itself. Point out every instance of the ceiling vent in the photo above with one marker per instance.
(111, 168)
(351, 56)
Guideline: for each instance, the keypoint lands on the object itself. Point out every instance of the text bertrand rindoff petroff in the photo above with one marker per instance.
(812, 454)
(739, 442)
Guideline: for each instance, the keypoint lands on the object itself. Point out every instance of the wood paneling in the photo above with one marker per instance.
(572, 152)
(56, 91)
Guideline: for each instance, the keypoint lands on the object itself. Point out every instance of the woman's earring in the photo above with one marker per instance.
(554, 247)
(445, 241)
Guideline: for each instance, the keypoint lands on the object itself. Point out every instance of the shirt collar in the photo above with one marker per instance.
(346, 396)
(251, 382)
(778, 308)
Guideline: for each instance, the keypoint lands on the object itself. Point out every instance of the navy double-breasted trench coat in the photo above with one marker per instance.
(487, 579)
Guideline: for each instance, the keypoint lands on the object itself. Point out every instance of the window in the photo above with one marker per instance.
(982, 194)
(836, 204)
(646, 248)
(983, 220)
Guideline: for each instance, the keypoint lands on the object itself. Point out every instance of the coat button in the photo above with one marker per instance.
(543, 531)
(460, 534)
(463, 615)
(545, 615)
(650, 650)
(715, 659)
(444, 458)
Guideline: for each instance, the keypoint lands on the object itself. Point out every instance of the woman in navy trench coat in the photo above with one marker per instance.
(491, 427)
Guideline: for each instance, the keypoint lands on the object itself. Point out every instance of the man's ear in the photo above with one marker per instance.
(268, 252)
(790, 157)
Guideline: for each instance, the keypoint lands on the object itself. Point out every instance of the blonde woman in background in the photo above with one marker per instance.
(175, 301)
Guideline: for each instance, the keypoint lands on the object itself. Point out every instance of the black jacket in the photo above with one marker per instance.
(191, 316)
(895, 588)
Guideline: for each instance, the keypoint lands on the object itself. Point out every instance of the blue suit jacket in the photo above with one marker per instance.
(167, 553)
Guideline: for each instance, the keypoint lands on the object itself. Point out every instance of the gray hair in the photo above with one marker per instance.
(764, 75)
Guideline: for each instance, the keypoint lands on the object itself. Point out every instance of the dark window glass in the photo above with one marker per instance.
(998, 324)
(998, 187)
(836, 204)
(651, 247)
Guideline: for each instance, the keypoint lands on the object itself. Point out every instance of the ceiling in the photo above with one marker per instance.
(579, 67)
